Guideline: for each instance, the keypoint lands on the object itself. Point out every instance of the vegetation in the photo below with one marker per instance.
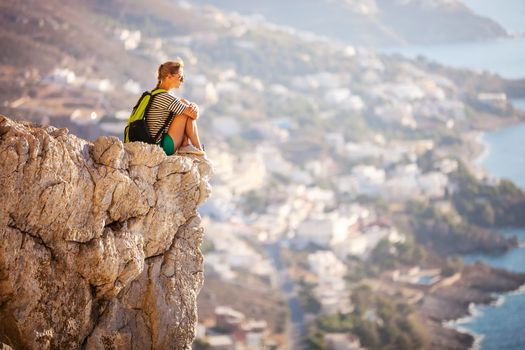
(200, 344)
(454, 265)
(379, 323)
(315, 340)
(387, 256)
(488, 205)
(254, 202)
(448, 234)
(307, 299)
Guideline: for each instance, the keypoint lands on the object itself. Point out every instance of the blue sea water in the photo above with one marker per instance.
(513, 260)
(505, 56)
(506, 154)
(519, 103)
(501, 326)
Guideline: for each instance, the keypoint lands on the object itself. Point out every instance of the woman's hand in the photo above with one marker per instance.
(194, 107)
(192, 111)
(195, 110)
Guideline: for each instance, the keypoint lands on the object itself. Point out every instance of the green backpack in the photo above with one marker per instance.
(137, 128)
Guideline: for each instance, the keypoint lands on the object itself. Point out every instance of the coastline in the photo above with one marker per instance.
(457, 326)
(475, 311)
(485, 149)
(478, 150)
(447, 308)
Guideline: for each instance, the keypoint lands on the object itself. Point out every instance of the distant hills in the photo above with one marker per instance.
(83, 37)
(46, 34)
(374, 22)
(39, 36)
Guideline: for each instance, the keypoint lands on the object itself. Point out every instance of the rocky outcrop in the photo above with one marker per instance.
(99, 242)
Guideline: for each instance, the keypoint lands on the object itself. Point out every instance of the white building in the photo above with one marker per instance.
(102, 85)
(495, 100)
(279, 89)
(250, 174)
(325, 166)
(132, 87)
(407, 170)
(354, 103)
(130, 38)
(407, 91)
(315, 230)
(337, 96)
(397, 113)
(83, 116)
(447, 165)
(342, 341)
(227, 87)
(369, 178)
(362, 243)
(400, 188)
(325, 264)
(322, 229)
(369, 60)
(433, 184)
(359, 151)
(331, 290)
(220, 342)
(62, 75)
(232, 251)
(226, 126)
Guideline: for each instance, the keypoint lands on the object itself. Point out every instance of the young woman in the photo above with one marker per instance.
(182, 134)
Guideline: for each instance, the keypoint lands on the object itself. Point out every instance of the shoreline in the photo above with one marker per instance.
(485, 149)
(475, 312)
(447, 308)
(479, 150)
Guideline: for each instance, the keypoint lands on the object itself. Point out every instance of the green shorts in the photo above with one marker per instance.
(167, 144)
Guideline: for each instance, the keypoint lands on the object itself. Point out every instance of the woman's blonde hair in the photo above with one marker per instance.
(169, 67)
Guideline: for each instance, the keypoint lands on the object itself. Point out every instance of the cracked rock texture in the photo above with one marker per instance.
(99, 242)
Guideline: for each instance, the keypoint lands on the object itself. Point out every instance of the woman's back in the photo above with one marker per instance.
(159, 110)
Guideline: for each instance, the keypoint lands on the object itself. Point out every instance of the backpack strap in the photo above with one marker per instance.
(166, 123)
(153, 93)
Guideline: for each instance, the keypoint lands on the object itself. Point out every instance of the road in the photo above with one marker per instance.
(297, 329)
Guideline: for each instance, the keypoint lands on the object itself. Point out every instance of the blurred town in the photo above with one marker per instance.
(336, 168)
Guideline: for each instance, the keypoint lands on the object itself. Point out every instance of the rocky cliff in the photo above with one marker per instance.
(99, 242)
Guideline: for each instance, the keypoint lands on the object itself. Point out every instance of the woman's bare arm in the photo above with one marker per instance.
(191, 111)
(194, 113)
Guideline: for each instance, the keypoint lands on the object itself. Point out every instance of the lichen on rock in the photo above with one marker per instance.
(99, 242)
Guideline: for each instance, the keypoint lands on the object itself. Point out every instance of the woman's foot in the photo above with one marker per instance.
(190, 149)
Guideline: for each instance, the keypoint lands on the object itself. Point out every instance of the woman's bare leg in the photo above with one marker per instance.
(177, 129)
(182, 129)
(193, 133)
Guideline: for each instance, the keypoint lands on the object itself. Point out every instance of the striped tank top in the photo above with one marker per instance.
(159, 110)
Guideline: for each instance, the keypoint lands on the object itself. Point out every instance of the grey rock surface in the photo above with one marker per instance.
(99, 242)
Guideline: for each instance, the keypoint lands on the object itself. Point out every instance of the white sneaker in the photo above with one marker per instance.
(190, 149)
